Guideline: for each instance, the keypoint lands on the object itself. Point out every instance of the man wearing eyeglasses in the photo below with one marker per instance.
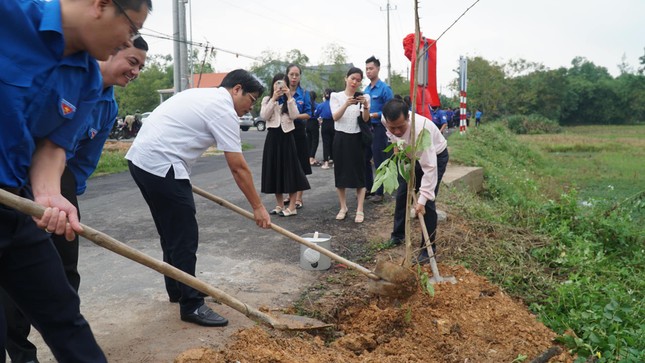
(169, 143)
(49, 83)
(118, 70)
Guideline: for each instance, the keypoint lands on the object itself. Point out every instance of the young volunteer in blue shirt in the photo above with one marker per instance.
(303, 101)
(119, 70)
(379, 93)
(49, 83)
(323, 113)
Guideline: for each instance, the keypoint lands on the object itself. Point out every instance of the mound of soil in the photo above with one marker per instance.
(471, 321)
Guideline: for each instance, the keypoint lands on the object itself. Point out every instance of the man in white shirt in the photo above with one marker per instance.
(161, 157)
(429, 170)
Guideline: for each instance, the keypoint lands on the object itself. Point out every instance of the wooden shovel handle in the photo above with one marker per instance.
(286, 233)
(424, 229)
(31, 208)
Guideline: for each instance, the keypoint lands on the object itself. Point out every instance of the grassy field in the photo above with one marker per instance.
(600, 161)
(560, 225)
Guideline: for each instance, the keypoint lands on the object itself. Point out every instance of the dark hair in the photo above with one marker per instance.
(245, 79)
(373, 59)
(279, 77)
(327, 93)
(407, 100)
(398, 97)
(133, 5)
(393, 109)
(355, 70)
(140, 43)
(291, 65)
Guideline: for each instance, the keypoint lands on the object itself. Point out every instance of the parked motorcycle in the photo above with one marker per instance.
(120, 130)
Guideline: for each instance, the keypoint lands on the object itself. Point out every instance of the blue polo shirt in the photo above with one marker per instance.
(42, 94)
(379, 95)
(323, 111)
(303, 101)
(83, 161)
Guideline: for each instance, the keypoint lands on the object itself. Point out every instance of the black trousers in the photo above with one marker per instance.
(32, 276)
(327, 131)
(313, 136)
(19, 348)
(172, 205)
(430, 217)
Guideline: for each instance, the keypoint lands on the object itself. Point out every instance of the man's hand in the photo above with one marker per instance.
(262, 218)
(420, 209)
(59, 211)
(47, 165)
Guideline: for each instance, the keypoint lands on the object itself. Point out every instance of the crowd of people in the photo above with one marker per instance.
(61, 60)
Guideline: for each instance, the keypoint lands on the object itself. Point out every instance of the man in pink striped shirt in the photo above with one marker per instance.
(429, 170)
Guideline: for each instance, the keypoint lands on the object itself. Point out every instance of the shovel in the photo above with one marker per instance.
(436, 277)
(385, 283)
(280, 322)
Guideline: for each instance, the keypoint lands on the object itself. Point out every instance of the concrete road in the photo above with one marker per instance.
(126, 303)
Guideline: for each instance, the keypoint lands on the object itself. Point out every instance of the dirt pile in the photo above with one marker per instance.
(471, 321)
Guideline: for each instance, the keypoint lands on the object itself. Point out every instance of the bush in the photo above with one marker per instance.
(532, 124)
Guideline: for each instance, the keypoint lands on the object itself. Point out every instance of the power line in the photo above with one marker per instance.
(199, 44)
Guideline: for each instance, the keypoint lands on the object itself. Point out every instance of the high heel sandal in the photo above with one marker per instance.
(341, 215)
(360, 216)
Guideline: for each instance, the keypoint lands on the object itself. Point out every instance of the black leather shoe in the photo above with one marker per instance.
(376, 199)
(205, 316)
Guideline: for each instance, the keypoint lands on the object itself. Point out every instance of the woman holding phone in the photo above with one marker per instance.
(348, 108)
(303, 102)
(281, 169)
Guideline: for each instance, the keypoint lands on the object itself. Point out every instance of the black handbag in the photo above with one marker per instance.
(366, 130)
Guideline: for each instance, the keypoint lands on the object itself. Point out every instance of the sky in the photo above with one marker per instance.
(550, 32)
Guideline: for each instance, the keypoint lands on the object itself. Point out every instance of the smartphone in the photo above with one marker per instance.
(358, 94)
(280, 84)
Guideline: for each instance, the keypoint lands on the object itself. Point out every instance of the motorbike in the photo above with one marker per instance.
(120, 129)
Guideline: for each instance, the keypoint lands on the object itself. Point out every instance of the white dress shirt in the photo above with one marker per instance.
(179, 131)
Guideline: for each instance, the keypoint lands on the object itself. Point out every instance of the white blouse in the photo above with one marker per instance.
(347, 123)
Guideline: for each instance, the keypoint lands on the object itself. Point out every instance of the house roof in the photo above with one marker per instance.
(208, 80)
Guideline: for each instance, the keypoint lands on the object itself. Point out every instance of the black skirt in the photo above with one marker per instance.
(300, 135)
(281, 169)
(349, 163)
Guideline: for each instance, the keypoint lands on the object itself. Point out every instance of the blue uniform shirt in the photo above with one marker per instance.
(303, 101)
(83, 161)
(323, 110)
(42, 94)
(379, 95)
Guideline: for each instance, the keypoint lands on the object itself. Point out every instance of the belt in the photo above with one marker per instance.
(11, 190)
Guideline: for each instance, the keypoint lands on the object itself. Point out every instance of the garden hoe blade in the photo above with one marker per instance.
(436, 277)
(381, 284)
(282, 322)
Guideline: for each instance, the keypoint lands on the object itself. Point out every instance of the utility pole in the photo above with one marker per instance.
(180, 48)
(389, 61)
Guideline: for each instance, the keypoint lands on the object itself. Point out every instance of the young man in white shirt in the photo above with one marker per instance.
(429, 170)
(174, 136)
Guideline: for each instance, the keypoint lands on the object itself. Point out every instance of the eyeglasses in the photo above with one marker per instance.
(134, 30)
(253, 98)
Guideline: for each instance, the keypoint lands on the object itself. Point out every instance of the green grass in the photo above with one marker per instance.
(111, 162)
(560, 225)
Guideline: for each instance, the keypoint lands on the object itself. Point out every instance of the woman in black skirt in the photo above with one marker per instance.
(348, 107)
(281, 169)
(299, 134)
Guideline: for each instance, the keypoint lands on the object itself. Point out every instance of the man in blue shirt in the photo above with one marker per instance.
(324, 115)
(379, 93)
(118, 70)
(49, 83)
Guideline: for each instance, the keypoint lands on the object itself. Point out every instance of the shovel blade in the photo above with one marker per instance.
(296, 322)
